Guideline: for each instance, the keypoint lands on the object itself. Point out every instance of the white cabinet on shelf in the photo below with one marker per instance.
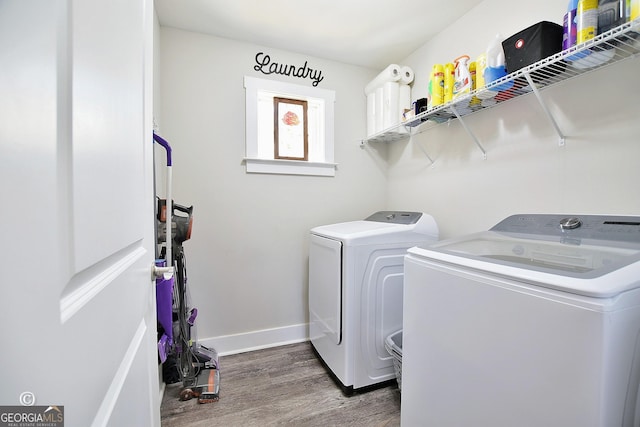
(608, 48)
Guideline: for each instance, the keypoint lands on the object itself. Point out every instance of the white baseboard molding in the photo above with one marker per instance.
(257, 340)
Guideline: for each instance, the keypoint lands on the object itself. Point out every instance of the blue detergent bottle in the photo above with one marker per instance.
(496, 65)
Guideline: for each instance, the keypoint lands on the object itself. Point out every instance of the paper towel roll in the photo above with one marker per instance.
(371, 114)
(404, 100)
(406, 75)
(390, 113)
(389, 74)
(379, 109)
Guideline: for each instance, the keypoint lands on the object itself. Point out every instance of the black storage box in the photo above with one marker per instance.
(532, 44)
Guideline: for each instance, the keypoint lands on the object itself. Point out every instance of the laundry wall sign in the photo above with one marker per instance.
(265, 65)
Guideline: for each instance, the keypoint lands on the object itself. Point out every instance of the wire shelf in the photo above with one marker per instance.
(608, 48)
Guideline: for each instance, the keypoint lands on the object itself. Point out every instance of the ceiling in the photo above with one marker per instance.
(369, 33)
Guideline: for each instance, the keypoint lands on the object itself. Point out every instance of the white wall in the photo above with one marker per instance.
(248, 257)
(525, 170)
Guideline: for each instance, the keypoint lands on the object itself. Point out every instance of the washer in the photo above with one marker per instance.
(355, 292)
(535, 322)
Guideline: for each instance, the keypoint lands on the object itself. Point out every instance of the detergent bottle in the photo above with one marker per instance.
(587, 20)
(481, 64)
(462, 83)
(570, 31)
(449, 81)
(635, 9)
(495, 60)
(496, 65)
(473, 70)
(437, 85)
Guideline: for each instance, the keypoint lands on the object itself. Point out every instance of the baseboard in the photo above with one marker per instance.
(257, 340)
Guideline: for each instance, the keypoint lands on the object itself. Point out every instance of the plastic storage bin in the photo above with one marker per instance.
(393, 344)
(532, 44)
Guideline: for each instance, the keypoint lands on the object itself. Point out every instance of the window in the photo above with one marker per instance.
(260, 157)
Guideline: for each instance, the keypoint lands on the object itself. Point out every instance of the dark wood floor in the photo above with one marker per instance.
(281, 386)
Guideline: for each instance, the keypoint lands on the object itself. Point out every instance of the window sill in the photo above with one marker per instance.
(289, 167)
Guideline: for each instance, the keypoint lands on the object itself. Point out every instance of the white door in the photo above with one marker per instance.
(77, 310)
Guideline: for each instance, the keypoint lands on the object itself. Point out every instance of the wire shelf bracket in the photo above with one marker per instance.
(536, 92)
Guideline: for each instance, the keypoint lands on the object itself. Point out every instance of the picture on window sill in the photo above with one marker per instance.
(290, 129)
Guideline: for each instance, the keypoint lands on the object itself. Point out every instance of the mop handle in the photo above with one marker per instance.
(168, 205)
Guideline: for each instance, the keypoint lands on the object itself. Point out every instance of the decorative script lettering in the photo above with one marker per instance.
(266, 66)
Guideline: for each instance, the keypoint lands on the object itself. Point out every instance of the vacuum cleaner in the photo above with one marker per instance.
(182, 357)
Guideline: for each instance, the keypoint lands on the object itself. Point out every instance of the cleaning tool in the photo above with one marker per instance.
(165, 281)
(182, 357)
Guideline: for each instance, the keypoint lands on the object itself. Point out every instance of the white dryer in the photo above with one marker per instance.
(356, 277)
(535, 322)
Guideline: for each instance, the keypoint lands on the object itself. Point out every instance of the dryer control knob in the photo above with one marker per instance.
(570, 223)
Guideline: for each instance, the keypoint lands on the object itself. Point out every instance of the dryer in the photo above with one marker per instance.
(535, 322)
(356, 276)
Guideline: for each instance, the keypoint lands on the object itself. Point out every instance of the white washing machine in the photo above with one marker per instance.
(533, 323)
(355, 292)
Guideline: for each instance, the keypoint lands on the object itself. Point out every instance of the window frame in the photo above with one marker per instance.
(254, 162)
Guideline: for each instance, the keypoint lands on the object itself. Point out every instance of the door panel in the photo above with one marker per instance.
(107, 83)
(78, 307)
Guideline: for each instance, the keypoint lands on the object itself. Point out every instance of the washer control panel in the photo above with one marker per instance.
(598, 227)
(395, 217)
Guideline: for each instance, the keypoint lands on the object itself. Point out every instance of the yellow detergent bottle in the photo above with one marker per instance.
(635, 9)
(437, 85)
(449, 80)
(472, 72)
(481, 64)
(473, 66)
(587, 17)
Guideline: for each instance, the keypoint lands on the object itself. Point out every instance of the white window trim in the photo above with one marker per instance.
(255, 164)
